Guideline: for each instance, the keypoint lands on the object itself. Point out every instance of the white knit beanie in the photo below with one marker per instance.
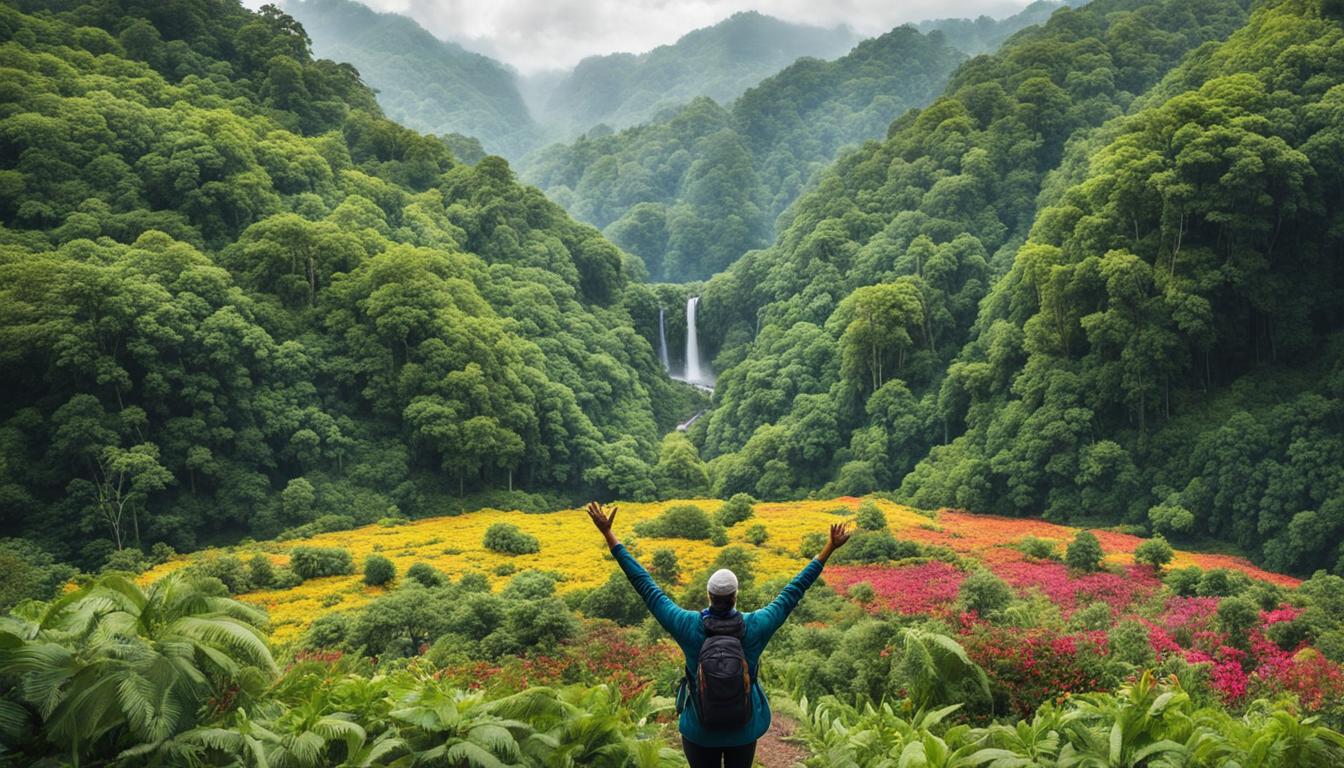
(723, 582)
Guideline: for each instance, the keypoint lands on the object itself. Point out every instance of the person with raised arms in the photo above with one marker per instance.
(722, 706)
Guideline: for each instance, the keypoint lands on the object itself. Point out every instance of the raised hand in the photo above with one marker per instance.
(840, 533)
(602, 521)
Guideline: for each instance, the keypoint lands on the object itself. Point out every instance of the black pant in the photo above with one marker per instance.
(718, 757)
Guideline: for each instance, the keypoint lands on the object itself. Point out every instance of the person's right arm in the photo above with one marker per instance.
(676, 620)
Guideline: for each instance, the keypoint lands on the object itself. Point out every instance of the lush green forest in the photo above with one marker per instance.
(236, 299)
(985, 34)
(424, 83)
(347, 369)
(1098, 279)
(718, 62)
(690, 193)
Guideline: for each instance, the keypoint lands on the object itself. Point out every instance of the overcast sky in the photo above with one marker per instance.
(535, 35)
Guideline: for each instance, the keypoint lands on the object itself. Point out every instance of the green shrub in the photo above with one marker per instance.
(260, 572)
(1171, 519)
(615, 600)
(328, 631)
(1096, 616)
(530, 625)
(161, 553)
(426, 575)
(530, 585)
(1236, 617)
(870, 517)
(862, 593)
(984, 593)
(684, 521)
(735, 510)
(1155, 552)
(874, 547)
(1130, 643)
(1084, 552)
(473, 581)
(1041, 549)
(504, 569)
(316, 562)
(1184, 581)
(378, 571)
(508, 539)
(1222, 582)
(401, 622)
(757, 535)
(323, 524)
(664, 567)
(227, 568)
(286, 578)
(128, 560)
(812, 544)
(27, 571)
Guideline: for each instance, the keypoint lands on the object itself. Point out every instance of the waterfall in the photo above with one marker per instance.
(662, 342)
(692, 345)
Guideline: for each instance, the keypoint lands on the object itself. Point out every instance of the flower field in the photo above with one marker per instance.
(570, 548)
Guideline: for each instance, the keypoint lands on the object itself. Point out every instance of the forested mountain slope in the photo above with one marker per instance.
(985, 34)
(719, 62)
(423, 83)
(693, 191)
(1155, 333)
(235, 298)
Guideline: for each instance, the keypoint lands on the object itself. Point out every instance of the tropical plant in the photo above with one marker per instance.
(113, 669)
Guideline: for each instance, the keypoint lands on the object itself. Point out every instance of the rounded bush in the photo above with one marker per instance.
(1155, 552)
(665, 567)
(260, 571)
(735, 510)
(379, 571)
(984, 593)
(684, 521)
(508, 539)
(316, 562)
(425, 574)
(870, 517)
(1084, 552)
(757, 535)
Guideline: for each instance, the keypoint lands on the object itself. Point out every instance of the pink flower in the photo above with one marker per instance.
(908, 589)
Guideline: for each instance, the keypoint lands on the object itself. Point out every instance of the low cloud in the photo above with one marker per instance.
(534, 35)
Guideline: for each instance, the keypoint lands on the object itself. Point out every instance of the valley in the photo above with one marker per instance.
(1023, 337)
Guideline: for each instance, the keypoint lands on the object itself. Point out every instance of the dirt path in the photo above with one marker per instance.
(772, 751)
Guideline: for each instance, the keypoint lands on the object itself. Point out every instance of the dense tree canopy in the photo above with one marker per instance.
(218, 282)
(424, 83)
(692, 191)
(718, 62)
(1099, 276)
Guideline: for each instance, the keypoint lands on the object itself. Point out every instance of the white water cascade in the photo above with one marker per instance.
(693, 370)
(662, 342)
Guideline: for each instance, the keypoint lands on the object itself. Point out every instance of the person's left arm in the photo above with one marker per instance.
(773, 615)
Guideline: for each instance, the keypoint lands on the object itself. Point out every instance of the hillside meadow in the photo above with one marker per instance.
(570, 548)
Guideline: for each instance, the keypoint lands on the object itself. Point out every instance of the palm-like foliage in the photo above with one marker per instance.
(446, 726)
(868, 735)
(1147, 723)
(936, 669)
(113, 666)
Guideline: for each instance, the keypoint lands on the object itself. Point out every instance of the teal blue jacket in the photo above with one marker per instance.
(686, 628)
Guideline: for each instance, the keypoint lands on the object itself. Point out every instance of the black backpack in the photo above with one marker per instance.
(723, 697)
